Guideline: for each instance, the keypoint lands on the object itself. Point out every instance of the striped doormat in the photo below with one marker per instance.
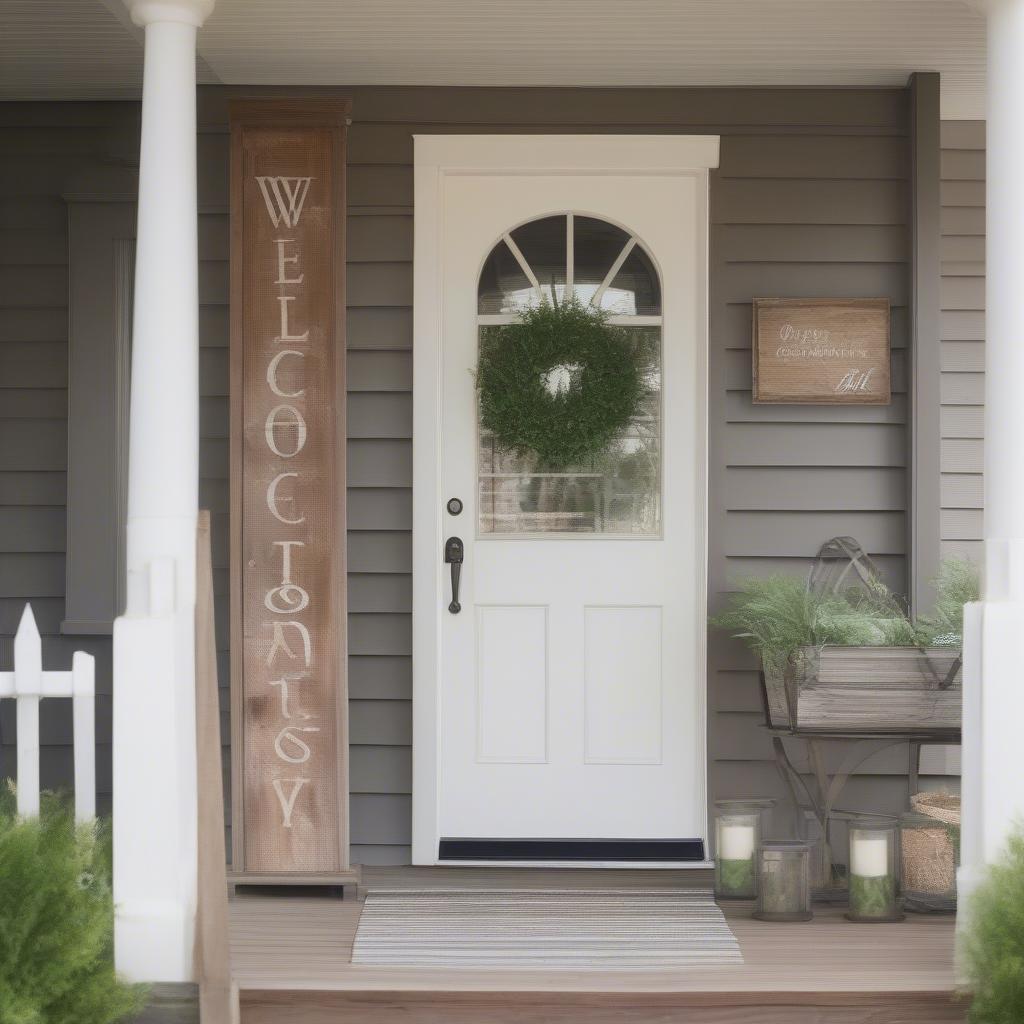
(588, 929)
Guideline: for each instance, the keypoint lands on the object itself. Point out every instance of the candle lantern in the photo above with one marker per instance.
(784, 880)
(872, 871)
(737, 836)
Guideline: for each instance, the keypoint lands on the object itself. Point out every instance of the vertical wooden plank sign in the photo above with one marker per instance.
(288, 650)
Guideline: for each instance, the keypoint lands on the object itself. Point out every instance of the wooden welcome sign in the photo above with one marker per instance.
(288, 651)
(821, 351)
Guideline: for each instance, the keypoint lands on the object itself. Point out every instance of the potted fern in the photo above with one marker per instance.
(849, 659)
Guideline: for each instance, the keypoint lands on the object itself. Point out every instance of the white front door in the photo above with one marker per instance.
(566, 695)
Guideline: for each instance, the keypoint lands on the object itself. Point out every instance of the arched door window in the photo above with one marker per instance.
(619, 491)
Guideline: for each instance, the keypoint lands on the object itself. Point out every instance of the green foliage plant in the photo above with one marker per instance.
(958, 582)
(57, 921)
(736, 877)
(872, 896)
(559, 384)
(777, 617)
(994, 945)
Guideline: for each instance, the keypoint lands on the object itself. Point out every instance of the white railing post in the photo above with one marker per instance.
(28, 687)
(28, 683)
(83, 695)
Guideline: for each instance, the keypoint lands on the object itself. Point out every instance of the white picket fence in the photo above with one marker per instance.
(28, 684)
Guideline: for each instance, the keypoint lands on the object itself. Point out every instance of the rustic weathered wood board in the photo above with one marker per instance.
(854, 709)
(886, 667)
(870, 690)
(821, 351)
(538, 1007)
(218, 997)
(289, 720)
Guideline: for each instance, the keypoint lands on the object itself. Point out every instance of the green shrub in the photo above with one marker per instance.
(57, 921)
(994, 947)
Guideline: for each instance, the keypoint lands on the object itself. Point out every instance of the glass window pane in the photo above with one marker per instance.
(634, 291)
(504, 287)
(544, 246)
(596, 246)
(617, 492)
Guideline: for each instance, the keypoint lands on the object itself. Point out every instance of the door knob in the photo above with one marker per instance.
(454, 553)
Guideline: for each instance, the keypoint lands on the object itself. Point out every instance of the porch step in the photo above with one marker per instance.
(292, 958)
(171, 1003)
(610, 1007)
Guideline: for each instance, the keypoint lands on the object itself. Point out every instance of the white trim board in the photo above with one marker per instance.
(436, 158)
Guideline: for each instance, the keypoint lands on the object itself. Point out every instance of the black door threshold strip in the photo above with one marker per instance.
(638, 850)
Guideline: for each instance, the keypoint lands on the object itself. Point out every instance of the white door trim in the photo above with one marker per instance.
(436, 157)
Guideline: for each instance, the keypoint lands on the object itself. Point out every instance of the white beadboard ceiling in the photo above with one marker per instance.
(80, 49)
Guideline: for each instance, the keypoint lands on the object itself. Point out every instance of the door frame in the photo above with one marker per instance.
(437, 157)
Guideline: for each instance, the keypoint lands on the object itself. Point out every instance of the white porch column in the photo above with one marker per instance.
(994, 628)
(154, 758)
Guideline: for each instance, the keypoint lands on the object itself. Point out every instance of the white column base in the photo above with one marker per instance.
(154, 776)
(993, 709)
(154, 940)
(1002, 714)
(968, 879)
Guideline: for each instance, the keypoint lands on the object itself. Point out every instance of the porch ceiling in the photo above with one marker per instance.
(84, 49)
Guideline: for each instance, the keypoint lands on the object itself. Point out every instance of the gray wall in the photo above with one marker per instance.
(44, 151)
(811, 200)
(963, 335)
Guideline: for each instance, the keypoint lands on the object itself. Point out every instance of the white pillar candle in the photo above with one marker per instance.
(736, 841)
(869, 856)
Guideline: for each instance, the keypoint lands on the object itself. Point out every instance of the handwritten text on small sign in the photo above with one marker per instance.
(821, 351)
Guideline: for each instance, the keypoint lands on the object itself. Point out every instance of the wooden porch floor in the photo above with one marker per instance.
(291, 957)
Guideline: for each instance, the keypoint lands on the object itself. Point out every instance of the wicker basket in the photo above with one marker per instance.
(929, 853)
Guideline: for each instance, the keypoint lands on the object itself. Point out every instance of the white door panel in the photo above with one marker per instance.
(568, 697)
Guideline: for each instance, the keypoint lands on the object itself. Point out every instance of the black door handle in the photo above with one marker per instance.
(454, 553)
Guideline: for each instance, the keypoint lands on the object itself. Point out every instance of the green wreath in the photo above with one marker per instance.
(560, 383)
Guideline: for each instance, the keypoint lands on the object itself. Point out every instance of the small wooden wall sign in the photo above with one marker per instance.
(821, 351)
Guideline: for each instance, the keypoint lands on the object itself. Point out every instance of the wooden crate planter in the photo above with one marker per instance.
(867, 689)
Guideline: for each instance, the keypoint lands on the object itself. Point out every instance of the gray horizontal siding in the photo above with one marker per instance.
(33, 425)
(786, 219)
(811, 199)
(784, 479)
(962, 337)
